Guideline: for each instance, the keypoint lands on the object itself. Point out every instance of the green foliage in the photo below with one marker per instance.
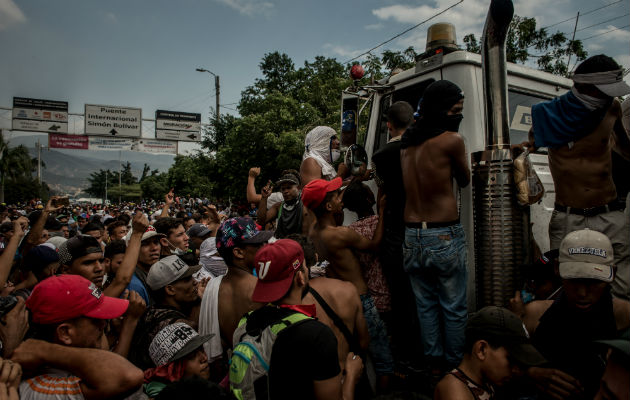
(21, 188)
(97, 184)
(524, 41)
(155, 186)
(16, 175)
(125, 192)
(190, 176)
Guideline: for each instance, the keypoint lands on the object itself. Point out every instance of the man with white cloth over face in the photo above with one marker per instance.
(580, 129)
(321, 150)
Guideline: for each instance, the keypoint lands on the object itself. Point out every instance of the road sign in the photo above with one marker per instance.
(58, 141)
(109, 143)
(176, 125)
(39, 115)
(155, 146)
(113, 121)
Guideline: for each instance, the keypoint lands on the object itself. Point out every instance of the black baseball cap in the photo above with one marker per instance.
(77, 247)
(502, 326)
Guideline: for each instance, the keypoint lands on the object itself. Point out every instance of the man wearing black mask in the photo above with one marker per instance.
(434, 250)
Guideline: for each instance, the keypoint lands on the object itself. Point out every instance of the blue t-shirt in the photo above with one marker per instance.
(137, 285)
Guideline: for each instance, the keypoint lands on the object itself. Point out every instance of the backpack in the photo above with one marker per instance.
(254, 337)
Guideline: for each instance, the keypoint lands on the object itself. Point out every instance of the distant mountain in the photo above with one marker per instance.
(67, 171)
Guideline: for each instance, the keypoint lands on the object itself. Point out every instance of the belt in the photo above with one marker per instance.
(430, 225)
(614, 205)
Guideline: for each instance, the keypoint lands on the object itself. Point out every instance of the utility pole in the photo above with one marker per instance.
(572, 39)
(217, 91)
(39, 162)
(119, 176)
(106, 176)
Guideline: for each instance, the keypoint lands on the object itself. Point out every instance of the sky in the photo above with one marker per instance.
(143, 53)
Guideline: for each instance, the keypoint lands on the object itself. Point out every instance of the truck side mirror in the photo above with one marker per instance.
(349, 119)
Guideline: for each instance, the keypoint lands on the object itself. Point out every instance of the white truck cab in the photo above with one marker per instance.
(525, 87)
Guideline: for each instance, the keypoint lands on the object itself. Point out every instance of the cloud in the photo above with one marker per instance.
(111, 18)
(10, 14)
(609, 33)
(373, 27)
(467, 17)
(249, 7)
(342, 51)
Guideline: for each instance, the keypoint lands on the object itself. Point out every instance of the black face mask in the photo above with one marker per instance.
(451, 122)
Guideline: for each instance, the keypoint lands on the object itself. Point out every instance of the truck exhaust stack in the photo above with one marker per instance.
(500, 226)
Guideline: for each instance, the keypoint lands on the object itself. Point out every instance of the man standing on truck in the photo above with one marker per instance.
(434, 249)
(581, 129)
(389, 177)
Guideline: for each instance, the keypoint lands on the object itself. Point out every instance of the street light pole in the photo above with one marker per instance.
(217, 89)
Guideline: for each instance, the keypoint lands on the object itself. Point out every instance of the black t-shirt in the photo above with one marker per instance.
(389, 172)
(302, 354)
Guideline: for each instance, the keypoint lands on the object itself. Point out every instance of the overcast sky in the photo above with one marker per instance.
(143, 53)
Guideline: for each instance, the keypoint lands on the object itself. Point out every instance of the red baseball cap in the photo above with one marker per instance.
(65, 297)
(276, 264)
(314, 192)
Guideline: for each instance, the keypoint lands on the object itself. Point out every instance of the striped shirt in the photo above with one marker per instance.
(54, 384)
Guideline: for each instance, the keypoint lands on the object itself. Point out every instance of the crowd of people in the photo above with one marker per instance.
(280, 299)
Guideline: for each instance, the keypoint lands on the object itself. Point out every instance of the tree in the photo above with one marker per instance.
(15, 165)
(126, 176)
(97, 181)
(155, 186)
(145, 171)
(524, 41)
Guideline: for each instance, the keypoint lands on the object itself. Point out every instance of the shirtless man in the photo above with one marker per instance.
(343, 299)
(580, 160)
(228, 297)
(336, 244)
(434, 250)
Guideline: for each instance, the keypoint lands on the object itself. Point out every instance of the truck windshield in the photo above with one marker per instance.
(521, 104)
(410, 94)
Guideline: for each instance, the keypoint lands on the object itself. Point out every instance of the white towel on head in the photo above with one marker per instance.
(317, 147)
(209, 319)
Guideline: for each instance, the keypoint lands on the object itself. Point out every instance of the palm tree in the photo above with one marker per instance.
(14, 162)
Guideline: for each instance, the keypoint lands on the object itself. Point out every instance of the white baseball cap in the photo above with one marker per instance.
(587, 254)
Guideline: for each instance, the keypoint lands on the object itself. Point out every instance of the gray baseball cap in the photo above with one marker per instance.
(168, 270)
(174, 342)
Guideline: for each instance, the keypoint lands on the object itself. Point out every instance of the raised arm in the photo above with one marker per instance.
(103, 374)
(36, 230)
(265, 215)
(139, 225)
(252, 196)
(6, 259)
(169, 199)
(130, 321)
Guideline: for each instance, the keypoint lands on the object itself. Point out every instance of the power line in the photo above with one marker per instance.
(603, 33)
(603, 22)
(583, 14)
(405, 31)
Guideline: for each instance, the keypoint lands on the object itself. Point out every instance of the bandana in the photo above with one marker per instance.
(307, 309)
(436, 101)
(598, 78)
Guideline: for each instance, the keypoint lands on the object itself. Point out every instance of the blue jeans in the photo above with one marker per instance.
(379, 341)
(435, 260)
